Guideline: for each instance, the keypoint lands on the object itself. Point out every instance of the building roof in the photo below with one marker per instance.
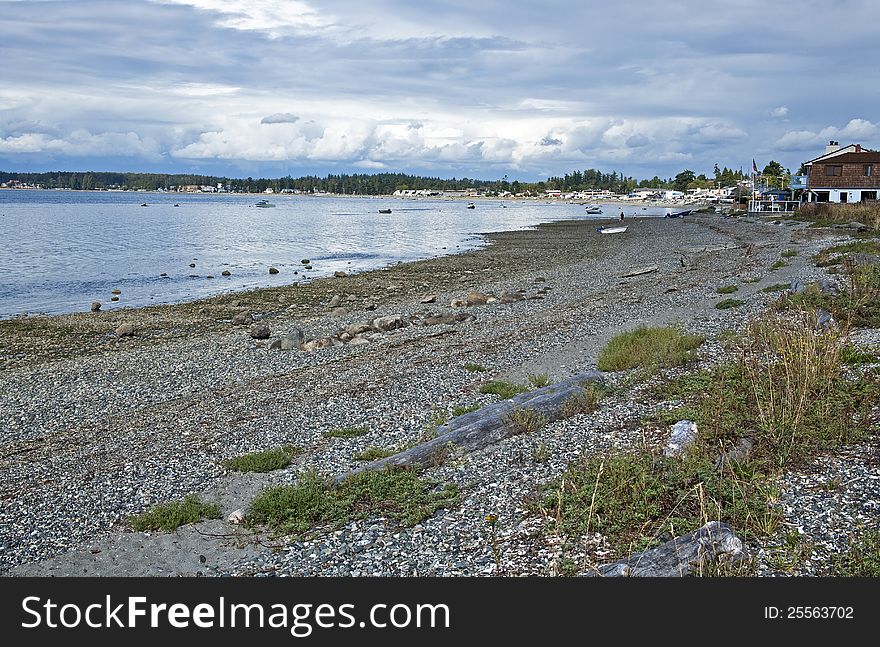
(865, 157)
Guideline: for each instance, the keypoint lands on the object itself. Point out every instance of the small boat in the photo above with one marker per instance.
(611, 230)
(678, 214)
(144, 204)
(264, 204)
(594, 208)
(176, 205)
(384, 210)
(471, 205)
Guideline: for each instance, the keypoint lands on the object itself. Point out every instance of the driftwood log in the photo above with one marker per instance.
(487, 425)
(681, 556)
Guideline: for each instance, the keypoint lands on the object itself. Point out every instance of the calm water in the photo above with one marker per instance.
(61, 250)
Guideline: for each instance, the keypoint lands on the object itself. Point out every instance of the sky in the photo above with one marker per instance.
(449, 88)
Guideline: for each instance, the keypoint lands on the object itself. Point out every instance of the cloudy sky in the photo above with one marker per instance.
(441, 87)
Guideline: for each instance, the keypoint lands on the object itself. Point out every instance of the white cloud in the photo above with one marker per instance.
(778, 112)
(272, 16)
(855, 131)
(280, 118)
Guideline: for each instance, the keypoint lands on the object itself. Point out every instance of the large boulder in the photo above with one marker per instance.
(260, 331)
(125, 330)
(390, 322)
(359, 327)
(292, 340)
(243, 318)
(477, 298)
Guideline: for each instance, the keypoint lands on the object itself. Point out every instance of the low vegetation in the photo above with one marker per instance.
(505, 390)
(858, 305)
(778, 264)
(776, 287)
(650, 348)
(789, 253)
(587, 401)
(727, 289)
(862, 559)
(170, 516)
(399, 495)
(788, 396)
(265, 461)
(374, 454)
(524, 421)
(728, 303)
(475, 368)
(463, 409)
(539, 380)
(826, 213)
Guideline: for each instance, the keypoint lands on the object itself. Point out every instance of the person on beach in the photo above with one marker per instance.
(621, 215)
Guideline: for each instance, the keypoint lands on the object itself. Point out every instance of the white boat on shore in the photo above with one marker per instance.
(611, 230)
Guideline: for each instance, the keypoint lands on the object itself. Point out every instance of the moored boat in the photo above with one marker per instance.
(264, 204)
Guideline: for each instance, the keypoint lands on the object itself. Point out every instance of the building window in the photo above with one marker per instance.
(869, 170)
(835, 169)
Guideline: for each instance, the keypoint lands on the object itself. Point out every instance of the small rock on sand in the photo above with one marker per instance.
(273, 270)
(260, 331)
(96, 306)
(125, 330)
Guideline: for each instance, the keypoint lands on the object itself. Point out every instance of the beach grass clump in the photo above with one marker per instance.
(173, 515)
(862, 559)
(645, 347)
(374, 453)
(539, 380)
(524, 421)
(728, 303)
(852, 355)
(587, 401)
(264, 461)
(778, 265)
(463, 409)
(857, 305)
(828, 213)
(776, 287)
(789, 253)
(475, 368)
(346, 432)
(726, 289)
(399, 495)
(505, 390)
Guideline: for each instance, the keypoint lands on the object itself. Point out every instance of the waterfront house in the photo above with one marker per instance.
(843, 174)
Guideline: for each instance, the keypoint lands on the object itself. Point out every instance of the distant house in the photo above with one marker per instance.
(843, 174)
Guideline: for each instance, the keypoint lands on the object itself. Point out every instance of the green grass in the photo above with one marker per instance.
(346, 432)
(789, 253)
(587, 401)
(851, 355)
(857, 305)
(265, 461)
(753, 279)
(374, 454)
(778, 264)
(862, 559)
(648, 348)
(524, 421)
(539, 380)
(475, 368)
(727, 289)
(728, 303)
(776, 287)
(504, 389)
(170, 516)
(463, 409)
(399, 495)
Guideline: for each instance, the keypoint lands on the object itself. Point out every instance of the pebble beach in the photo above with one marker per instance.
(98, 426)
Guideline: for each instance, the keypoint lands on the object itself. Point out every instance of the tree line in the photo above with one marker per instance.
(371, 184)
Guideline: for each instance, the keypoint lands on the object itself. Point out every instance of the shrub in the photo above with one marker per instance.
(727, 289)
(461, 410)
(170, 516)
(862, 559)
(649, 348)
(475, 368)
(374, 454)
(265, 461)
(728, 303)
(504, 389)
(524, 421)
(399, 495)
(539, 380)
(346, 432)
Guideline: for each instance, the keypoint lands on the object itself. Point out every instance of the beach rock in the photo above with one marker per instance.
(464, 316)
(237, 516)
(684, 433)
(305, 261)
(539, 279)
(339, 274)
(359, 340)
(736, 455)
(308, 267)
(827, 287)
(192, 264)
(797, 286)
(344, 336)
(715, 542)
(115, 291)
(475, 298)
(164, 275)
(225, 273)
(358, 328)
(235, 304)
(273, 270)
(275, 345)
(371, 306)
(457, 303)
(339, 312)
(96, 306)
(824, 319)
(431, 298)
(321, 342)
(125, 330)
(390, 322)
(243, 318)
(510, 297)
(334, 302)
(351, 298)
(857, 226)
(114, 298)
(434, 320)
(260, 331)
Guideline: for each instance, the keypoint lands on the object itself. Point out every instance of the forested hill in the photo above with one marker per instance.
(357, 183)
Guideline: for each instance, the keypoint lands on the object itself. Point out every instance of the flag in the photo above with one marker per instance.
(754, 167)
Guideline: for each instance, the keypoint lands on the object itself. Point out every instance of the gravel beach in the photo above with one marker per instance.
(97, 426)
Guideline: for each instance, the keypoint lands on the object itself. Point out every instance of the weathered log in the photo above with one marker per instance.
(487, 425)
(681, 556)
